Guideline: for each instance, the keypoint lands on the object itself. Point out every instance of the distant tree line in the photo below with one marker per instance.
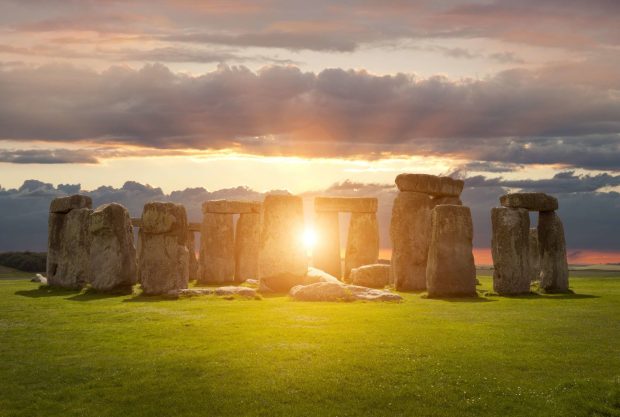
(24, 261)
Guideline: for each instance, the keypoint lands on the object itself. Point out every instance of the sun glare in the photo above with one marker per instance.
(309, 238)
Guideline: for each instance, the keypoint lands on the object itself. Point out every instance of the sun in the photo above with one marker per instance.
(309, 238)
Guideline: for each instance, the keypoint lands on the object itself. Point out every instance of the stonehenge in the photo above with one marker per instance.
(226, 256)
(431, 233)
(363, 236)
(515, 266)
(68, 245)
(282, 255)
(451, 270)
(163, 257)
(112, 252)
(410, 228)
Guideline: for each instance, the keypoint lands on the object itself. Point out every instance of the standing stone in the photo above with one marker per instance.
(326, 254)
(510, 250)
(282, 252)
(362, 242)
(68, 241)
(247, 242)
(451, 270)
(163, 257)
(112, 261)
(194, 266)
(410, 231)
(552, 247)
(217, 249)
(534, 255)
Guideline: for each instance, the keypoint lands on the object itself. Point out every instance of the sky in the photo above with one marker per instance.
(305, 95)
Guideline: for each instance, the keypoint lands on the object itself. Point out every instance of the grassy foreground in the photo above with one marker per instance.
(83, 354)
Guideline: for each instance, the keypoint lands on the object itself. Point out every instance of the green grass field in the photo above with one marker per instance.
(84, 354)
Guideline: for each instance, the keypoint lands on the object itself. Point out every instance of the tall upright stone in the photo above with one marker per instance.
(112, 261)
(451, 271)
(326, 254)
(410, 231)
(163, 257)
(362, 242)
(68, 241)
(194, 266)
(217, 249)
(534, 254)
(552, 248)
(510, 250)
(247, 243)
(282, 254)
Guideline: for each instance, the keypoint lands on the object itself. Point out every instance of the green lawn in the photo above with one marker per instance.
(83, 354)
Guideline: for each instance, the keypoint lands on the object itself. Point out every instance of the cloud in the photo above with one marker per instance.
(514, 117)
(47, 156)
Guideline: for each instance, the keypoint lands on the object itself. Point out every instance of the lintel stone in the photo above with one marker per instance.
(231, 207)
(346, 204)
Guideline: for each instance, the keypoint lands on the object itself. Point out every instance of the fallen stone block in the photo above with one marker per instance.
(331, 291)
(373, 276)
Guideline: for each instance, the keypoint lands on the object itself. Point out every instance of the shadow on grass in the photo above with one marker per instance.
(93, 295)
(474, 299)
(141, 298)
(545, 296)
(46, 291)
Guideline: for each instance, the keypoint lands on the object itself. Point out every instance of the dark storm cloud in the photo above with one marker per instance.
(513, 117)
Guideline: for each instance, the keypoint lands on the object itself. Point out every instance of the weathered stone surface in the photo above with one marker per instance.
(164, 218)
(530, 201)
(163, 257)
(451, 271)
(334, 291)
(373, 276)
(66, 204)
(326, 254)
(552, 247)
(283, 283)
(510, 250)
(429, 184)
(282, 252)
(410, 231)
(362, 242)
(346, 204)
(68, 248)
(194, 265)
(247, 244)
(112, 260)
(534, 255)
(219, 291)
(455, 201)
(231, 207)
(217, 249)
